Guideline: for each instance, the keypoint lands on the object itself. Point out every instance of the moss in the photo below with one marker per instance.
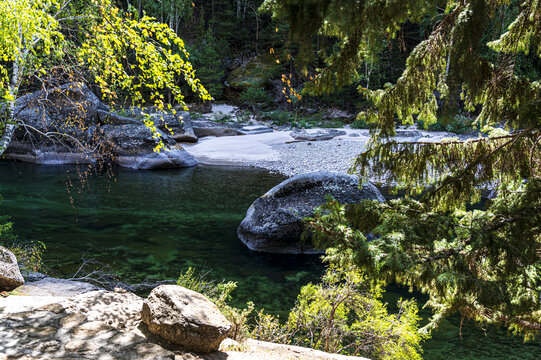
(255, 73)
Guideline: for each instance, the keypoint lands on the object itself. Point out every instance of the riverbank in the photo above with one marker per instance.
(280, 152)
(72, 319)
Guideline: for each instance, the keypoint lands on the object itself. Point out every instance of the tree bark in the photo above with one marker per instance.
(9, 130)
(10, 124)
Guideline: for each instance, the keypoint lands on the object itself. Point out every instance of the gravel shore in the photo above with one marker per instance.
(307, 156)
(278, 151)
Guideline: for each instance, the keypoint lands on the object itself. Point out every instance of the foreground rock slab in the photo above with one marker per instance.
(10, 275)
(49, 286)
(107, 325)
(185, 317)
(51, 332)
(274, 221)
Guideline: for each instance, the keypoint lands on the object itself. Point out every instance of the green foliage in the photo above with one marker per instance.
(29, 254)
(207, 60)
(256, 97)
(160, 58)
(360, 123)
(483, 264)
(255, 73)
(279, 117)
(220, 294)
(6, 230)
(127, 56)
(344, 314)
(222, 117)
(459, 124)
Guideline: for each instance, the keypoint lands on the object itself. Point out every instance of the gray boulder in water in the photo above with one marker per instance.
(10, 275)
(274, 221)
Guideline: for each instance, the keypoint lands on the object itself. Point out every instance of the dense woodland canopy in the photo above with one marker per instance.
(397, 62)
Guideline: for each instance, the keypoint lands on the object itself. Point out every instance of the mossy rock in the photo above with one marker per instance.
(257, 72)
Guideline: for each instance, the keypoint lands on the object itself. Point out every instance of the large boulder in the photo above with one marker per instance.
(274, 221)
(177, 125)
(133, 147)
(185, 317)
(203, 128)
(69, 125)
(56, 124)
(10, 275)
(70, 109)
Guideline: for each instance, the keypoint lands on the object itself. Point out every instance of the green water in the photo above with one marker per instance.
(154, 224)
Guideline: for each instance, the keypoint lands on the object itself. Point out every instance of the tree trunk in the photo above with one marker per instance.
(172, 16)
(9, 113)
(9, 130)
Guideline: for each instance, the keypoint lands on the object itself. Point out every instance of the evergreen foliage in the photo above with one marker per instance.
(485, 264)
(207, 60)
(255, 97)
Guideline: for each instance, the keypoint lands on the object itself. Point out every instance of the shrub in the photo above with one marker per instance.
(29, 253)
(221, 117)
(256, 97)
(344, 314)
(279, 117)
(459, 124)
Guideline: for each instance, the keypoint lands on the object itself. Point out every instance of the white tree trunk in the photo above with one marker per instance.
(9, 128)
(8, 116)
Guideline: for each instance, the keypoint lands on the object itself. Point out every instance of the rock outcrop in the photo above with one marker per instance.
(185, 317)
(133, 146)
(178, 126)
(50, 286)
(316, 135)
(56, 331)
(107, 325)
(273, 223)
(204, 128)
(69, 125)
(10, 275)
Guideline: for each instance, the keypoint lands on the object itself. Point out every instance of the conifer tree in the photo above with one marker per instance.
(207, 61)
(483, 263)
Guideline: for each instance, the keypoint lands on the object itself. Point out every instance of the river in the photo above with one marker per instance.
(155, 224)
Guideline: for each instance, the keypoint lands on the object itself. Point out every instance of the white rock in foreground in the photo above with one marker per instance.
(10, 275)
(185, 317)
